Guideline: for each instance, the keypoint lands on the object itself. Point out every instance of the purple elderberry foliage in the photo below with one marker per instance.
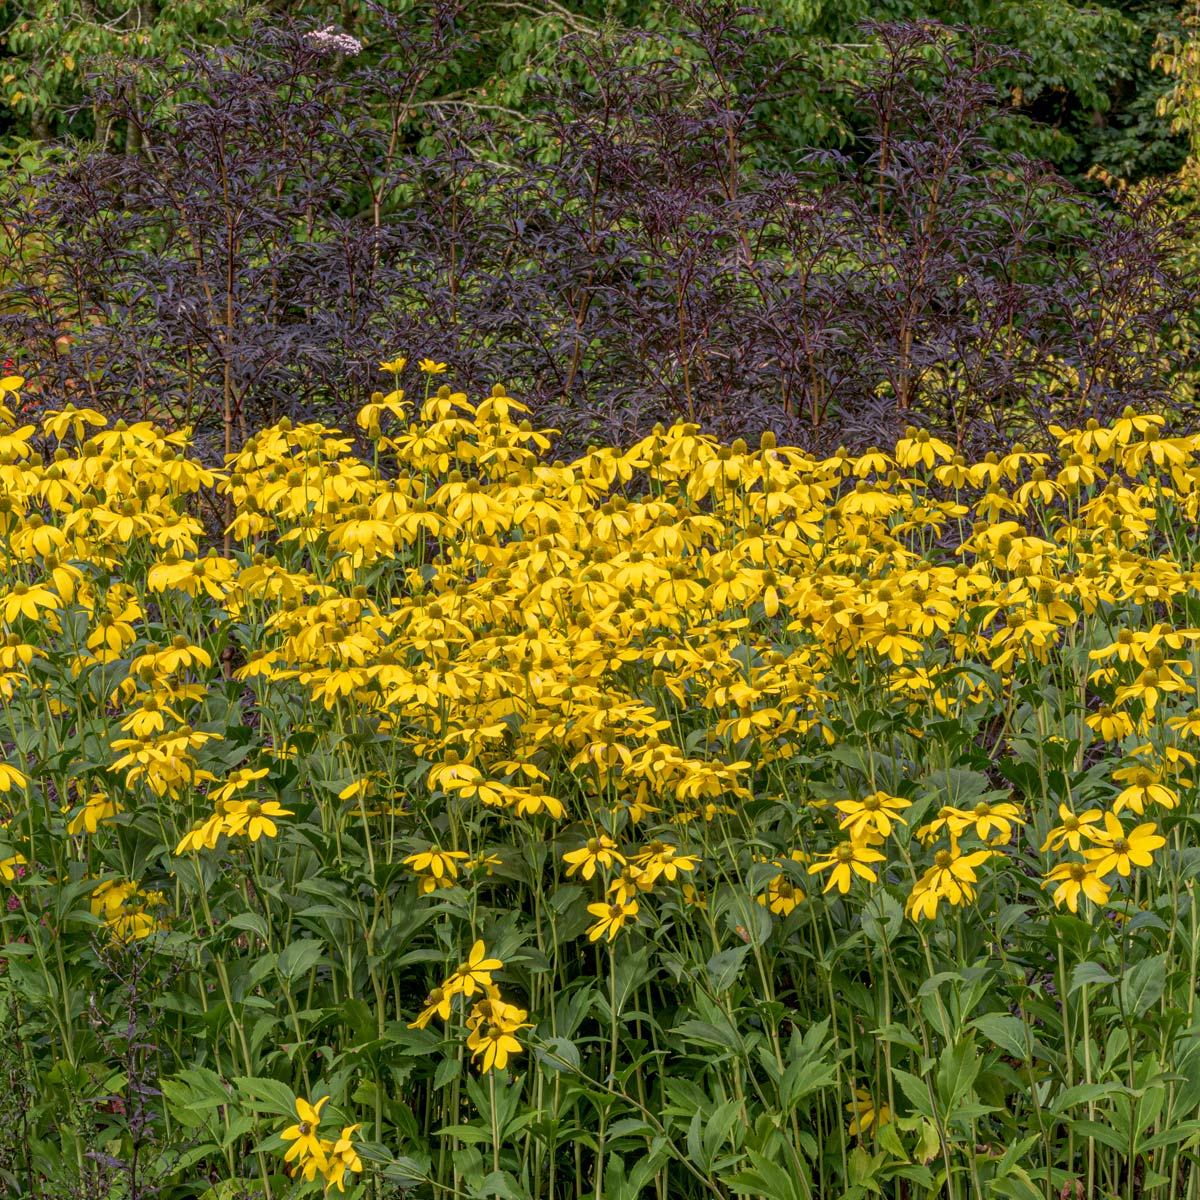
(264, 223)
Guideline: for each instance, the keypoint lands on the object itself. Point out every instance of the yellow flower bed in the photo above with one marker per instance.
(445, 733)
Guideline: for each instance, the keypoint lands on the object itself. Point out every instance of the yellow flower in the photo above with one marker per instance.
(203, 835)
(919, 447)
(1072, 829)
(13, 868)
(493, 1024)
(476, 972)
(437, 1004)
(254, 817)
(306, 1143)
(126, 909)
(782, 896)
(847, 860)
(97, 809)
(22, 600)
(1186, 723)
(70, 419)
(630, 883)
(1072, 879)
(863, 1113)
(951, 878)
(10, 777)
(661, 858)
(237, 780)
(612, 918)
(1111, 726)
(894, 643)
(394, 367)
(1120, 851)
(873, 814)
(430, 367)
(984, 816)
(598, 851)
(440, 867)
(1143, 787)
(1152, 683)
(343, 1157)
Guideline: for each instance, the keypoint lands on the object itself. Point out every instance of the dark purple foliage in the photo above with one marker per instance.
(279, 219)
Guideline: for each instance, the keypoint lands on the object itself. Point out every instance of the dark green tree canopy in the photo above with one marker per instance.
(1085, 77)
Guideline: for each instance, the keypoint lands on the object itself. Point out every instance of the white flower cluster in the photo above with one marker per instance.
(329, 41)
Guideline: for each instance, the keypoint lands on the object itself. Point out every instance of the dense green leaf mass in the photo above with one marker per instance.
(1087, 78)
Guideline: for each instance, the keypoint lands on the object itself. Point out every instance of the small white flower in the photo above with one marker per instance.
(329, 41)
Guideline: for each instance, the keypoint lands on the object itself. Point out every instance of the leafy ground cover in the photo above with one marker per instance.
(683, 820)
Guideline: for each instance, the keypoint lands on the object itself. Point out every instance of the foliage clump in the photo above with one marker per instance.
(278, 213)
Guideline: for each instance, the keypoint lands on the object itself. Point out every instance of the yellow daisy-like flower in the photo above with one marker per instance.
(662, 859)
(437, 1004)
(343, 1157)
(873, 814)
(951, 878)
(611, 918)
(844, 862)
(782, 896)
(254, 817)
(438, 864)
(10, 778)
(1120, 851)
(1073, 828)
(475, 973)
(97, 809)
(306, 1142)
(1075, 879)
(597, 852)
(864, 1113)
(493, 1025)
(13, 868)
(1143, 787)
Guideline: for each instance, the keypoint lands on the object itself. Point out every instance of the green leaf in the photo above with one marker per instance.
(251, 922)
(1105, 1134)
(1187, 1093)
(558, 1054)
(719, 1126)
(405, 1171)
(916, 1090)
(899, 1035)
(1183, 1131)
(471, 1135)
(447, 1070)
(1143, 987)
(707, 1034)
(958, 1068)
(695, 1147)
(882, 917)
(632, 971)
(1088, 972)
(1007, 1032)
(809, 1065)
(1084, 1093)
(299, 958)
(725, 966)
(268, 1095)
(197, 1089)
(629, 1127)
(767, 1181)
